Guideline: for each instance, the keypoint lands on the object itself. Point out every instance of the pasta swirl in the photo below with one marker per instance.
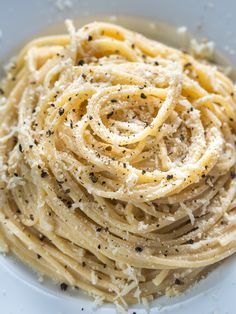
(117, 163)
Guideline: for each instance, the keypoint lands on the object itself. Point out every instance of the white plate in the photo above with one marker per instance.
(20, 292)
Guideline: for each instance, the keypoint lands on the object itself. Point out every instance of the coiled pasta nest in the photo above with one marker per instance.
(117, 163)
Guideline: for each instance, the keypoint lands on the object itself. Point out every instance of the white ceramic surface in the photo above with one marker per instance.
(20, 20)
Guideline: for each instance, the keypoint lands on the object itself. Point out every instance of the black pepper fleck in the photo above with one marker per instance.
(20, 148)
(71, 124)
(44, 174)
(64, 286)
(61, 111)
(187, 64)
(92, 177)
(190, 241)
(138, 249)
(81, 62)
(232, 174)
(42, 237)
(110, 114)
(178, 282)
(49, 133)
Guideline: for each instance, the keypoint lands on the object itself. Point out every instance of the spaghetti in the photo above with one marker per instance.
(117, 163)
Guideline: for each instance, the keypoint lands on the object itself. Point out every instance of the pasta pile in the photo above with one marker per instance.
(117, 163)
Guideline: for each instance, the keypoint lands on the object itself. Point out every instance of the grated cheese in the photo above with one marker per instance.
(160, 277)
(137, 294)
(202, 50)
(146, 304)
(94, 278)
(132, 179)
(14, 182)
(182, 30)
(98, 301)
(40, 278)
(142, 226)
(128, 288)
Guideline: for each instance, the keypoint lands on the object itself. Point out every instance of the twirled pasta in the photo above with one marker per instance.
(117, 163)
